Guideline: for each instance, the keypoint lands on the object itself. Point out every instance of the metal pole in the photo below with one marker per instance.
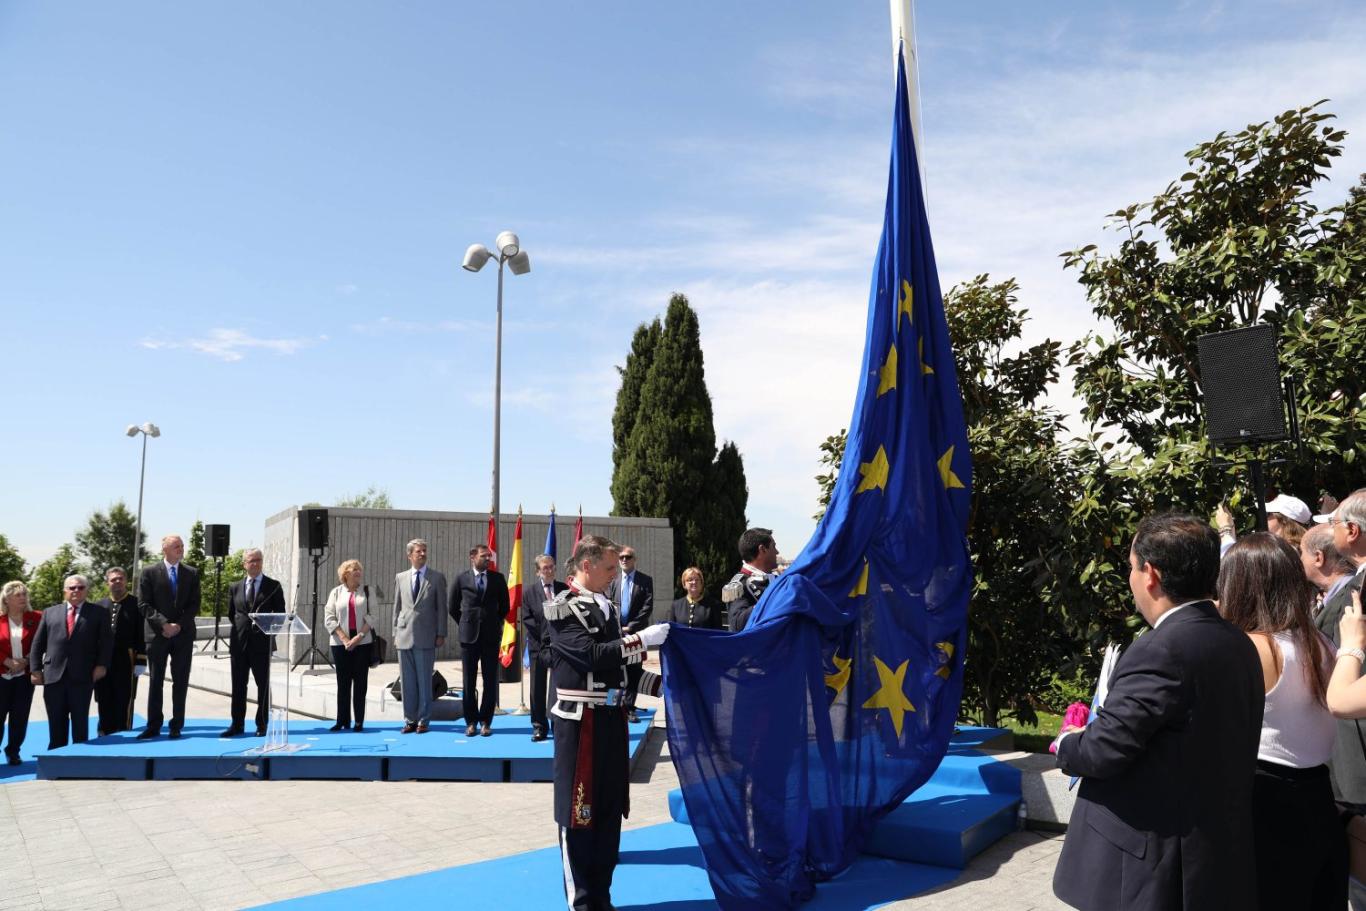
(497, 389)
(137, 531)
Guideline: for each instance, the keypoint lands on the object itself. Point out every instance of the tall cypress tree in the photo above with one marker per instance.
(667, 464)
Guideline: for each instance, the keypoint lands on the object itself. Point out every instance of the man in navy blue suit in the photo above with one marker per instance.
(1163, 819)
(71, 652)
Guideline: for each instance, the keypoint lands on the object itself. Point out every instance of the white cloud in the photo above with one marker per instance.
(232, 344)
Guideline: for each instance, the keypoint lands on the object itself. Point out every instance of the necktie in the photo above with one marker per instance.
(251, 593)
(480, 584)
(417, 583)
(549, 595)
(625, 596)
(175, 583)
(70, 619)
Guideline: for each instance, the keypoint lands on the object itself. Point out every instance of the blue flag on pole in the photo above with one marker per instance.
(550, 540)
(793, 738)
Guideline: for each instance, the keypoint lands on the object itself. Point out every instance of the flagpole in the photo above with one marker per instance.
(903, 44)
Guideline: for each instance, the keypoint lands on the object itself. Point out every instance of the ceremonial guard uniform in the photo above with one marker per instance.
(742, 592)
(592, 666)
(115, 693)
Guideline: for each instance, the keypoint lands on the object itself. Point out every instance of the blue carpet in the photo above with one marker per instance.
(661, 869)
(35, 742)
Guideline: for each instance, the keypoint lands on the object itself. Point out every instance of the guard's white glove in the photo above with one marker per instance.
(654, 636)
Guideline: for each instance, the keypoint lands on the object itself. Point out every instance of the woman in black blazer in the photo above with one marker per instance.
(695, 608)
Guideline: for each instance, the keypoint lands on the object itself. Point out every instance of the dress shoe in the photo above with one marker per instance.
(13, 760)
(359, 728)
(149, 734)
(408, 728)
(633, 716)
(422, 727)
(174, 734)
(260, 732)
(233, 731)
(339, 727)
(537, 735)
(486, 730)
(471, 730)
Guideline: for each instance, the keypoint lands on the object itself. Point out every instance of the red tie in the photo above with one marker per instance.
(70, 619)
(352, 609)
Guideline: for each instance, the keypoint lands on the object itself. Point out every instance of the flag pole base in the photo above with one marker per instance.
(520, 710)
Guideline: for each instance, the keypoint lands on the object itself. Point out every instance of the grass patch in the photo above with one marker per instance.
(1034, 738)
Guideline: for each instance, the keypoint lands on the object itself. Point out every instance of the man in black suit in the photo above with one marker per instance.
(633, 592)
(1163, 819)
(1348, 762)
(249, 648)
(71, 652)
(168, 595)
(115, 693)
(479, 604)
(541, 591)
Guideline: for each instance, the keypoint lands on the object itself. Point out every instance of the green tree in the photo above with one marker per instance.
(832, 454)
(373, 498)
(11, 564)
(1238, 239)
(667, 463)
(107, 540)
(45, 586)
(213, 593)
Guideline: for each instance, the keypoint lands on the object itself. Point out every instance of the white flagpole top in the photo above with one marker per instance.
(903, 44)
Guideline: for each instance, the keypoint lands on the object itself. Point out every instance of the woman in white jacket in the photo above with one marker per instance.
(348, 621)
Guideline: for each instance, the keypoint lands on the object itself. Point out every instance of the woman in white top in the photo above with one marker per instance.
(348, 623)
(1301, 849)
(17, 627)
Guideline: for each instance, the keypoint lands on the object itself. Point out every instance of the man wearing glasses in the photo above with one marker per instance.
(634, 594)
(71, 653)
(1348, 762)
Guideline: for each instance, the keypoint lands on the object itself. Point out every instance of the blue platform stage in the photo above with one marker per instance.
(380, 753)
(661, 869)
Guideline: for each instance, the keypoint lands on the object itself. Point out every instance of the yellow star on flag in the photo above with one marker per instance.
(887, 376)
(907, 294)
(890, 695)
(840, 679)
(924, 367)
(861, 588)
(947, 649)
(874, 473)
(950, 479)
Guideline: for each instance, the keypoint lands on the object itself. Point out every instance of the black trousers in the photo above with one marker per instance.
(1301, 848)
(179, 649)
(480, 660)
(589, 855)
(16, 698)
(68, 706)
(353, 681)
(251, 657)
(540, 692)
(115, 693)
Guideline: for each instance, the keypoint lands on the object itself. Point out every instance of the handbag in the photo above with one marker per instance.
(439, 687)
(378, 646)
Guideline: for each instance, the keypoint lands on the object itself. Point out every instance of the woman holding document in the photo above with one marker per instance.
(1300, 850)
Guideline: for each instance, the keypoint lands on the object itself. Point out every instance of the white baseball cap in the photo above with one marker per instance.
(1291, 508)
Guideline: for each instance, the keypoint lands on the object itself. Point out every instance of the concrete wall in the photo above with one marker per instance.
(378, 538)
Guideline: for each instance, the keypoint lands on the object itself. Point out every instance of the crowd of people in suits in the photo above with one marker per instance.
(1226, 767)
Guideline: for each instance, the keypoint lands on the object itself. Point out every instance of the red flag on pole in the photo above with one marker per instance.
(508, 647)
(493, 541)
(578, 528)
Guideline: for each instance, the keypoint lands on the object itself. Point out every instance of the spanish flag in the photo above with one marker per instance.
(508, 649)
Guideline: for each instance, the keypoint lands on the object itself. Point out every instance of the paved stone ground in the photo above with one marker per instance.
(95, 845)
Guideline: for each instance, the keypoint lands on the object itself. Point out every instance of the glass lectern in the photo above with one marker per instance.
(277, 733)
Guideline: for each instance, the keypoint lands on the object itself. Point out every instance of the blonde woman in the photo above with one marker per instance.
(17, 626)
(348, 620)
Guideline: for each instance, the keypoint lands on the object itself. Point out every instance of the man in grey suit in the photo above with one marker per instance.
(71, 652)
(1348, 762)
(419, 630)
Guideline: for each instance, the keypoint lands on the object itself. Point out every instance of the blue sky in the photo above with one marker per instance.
(244, 222)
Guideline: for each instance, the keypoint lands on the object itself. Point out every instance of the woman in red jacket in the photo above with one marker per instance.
(17, 626)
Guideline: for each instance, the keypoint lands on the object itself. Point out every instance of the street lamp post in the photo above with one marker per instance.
(147, 430)
(511, 254)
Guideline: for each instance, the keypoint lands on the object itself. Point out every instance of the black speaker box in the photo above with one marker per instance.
(216, 541)
(313, 529)
(1241, 376)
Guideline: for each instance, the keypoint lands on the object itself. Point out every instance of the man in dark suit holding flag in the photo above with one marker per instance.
(168, 595)
(541, 592)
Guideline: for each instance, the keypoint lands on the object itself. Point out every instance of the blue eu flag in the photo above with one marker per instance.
(794, 737)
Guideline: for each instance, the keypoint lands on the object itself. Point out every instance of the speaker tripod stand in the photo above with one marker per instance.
(314, 652)
(217, 608)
